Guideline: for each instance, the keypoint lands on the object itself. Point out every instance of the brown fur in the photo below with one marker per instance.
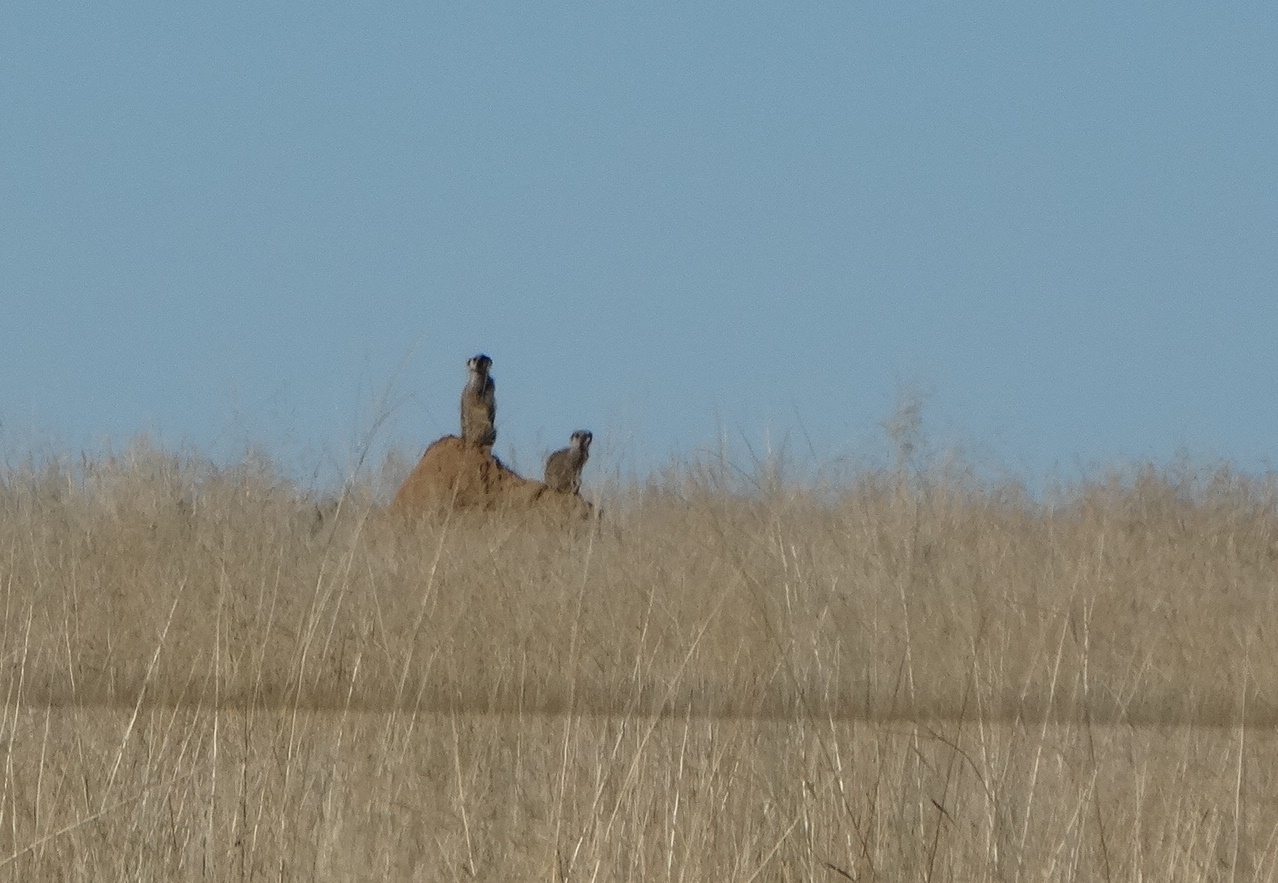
(563, 467)
(479, 404)
(452, 474)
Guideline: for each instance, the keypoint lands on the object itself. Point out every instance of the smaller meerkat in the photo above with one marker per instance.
(479, 404)
(563, 467)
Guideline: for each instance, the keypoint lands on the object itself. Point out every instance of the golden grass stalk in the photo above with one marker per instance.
(902, 674)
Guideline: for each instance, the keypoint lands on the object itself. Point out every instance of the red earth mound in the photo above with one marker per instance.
(454, 475)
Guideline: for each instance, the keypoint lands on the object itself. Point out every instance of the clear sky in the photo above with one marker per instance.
(276, 223)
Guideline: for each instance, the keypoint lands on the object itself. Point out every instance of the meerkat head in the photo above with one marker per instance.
(581, 440)
(479, 364)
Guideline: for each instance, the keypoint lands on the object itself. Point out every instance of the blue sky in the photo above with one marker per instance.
(235, 223)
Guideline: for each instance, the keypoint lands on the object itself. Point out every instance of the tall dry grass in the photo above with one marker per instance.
(898, 675)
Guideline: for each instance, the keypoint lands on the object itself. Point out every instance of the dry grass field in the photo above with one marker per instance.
(891, 676)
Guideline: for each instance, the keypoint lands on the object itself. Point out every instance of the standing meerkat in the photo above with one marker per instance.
(479, 404)
(563, 467)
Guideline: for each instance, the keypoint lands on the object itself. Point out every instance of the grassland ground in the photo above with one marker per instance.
(186, 793)
(877, 678)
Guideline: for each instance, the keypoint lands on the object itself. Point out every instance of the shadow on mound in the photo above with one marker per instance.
(454, 475)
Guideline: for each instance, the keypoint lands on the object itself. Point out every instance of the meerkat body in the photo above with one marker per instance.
(479, 404)
(563, 467)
